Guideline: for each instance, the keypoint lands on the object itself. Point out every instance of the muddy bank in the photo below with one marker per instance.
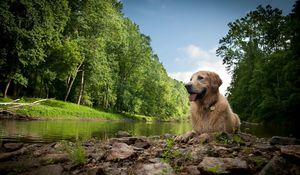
(218, 153)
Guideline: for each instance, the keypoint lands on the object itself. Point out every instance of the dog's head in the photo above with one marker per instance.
(202, 83)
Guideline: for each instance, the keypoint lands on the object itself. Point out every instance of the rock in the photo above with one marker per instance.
(55, 158)
(265, 147)
(12, 146)
(94, 171)
(191, 170)
(203, 138)
(223, 165)
(247, 137)
(291, 150)
(127, 140)
(47, 170)
(96, 156)
(280, 166)
(8, 155)
(211, 152)
(168, 136)
(120, 134)
(153, 169)
(154, 137)
(119, 151)
(277, 140)
(142, 144)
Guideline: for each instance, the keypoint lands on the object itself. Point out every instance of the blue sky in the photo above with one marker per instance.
(186, 33)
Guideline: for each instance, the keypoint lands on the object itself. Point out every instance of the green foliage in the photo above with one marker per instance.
(261, 51)
(76, 152)
(260, 162)
(215, 169)
(86, 52)
(225, 138)
(169, 152)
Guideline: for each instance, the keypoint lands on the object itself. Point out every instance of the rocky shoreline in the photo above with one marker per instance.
(218, 153)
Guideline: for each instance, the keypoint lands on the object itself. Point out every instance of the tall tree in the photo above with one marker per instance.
(257, 51)
(27, 28)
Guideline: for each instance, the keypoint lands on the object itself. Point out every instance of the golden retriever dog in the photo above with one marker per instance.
(210, 111)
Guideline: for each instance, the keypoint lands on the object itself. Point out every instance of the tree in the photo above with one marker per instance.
(258, 52)
(27, 29)
(86, 52)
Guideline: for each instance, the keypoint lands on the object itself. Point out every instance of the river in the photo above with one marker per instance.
(53, 130)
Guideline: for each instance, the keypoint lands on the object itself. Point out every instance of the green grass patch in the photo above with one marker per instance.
(76, 152)
(56, 109)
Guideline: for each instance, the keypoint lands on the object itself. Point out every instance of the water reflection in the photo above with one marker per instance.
(47, 131)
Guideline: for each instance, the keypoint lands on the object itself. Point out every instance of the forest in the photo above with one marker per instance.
(86, 52)
(262, 52)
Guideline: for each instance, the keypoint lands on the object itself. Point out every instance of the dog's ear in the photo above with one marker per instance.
(216, 81)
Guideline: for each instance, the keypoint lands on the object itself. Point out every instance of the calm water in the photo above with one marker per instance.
(47, 131)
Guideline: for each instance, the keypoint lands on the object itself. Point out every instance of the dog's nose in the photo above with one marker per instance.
(188, 86)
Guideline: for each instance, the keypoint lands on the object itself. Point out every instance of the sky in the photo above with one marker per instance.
(185, 33)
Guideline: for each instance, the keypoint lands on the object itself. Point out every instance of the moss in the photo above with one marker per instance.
(215, 169)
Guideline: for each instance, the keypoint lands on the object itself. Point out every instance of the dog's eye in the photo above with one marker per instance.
(191, 79)
(200, 78)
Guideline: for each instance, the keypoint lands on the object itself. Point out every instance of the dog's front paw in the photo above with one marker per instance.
(185, 137)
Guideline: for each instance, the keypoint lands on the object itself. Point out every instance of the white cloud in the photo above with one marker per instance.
(196, 52)
(204, 60)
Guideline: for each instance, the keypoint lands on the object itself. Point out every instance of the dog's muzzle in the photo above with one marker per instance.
(194, 95)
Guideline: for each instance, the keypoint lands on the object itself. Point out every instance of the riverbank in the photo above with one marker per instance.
(56, 109)
(218, 153)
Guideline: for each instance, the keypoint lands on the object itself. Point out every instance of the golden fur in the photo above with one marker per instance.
(210, 112)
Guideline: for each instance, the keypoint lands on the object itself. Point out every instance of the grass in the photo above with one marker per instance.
(169, 153)
(76, 153)
(56, 109)
(224, 138)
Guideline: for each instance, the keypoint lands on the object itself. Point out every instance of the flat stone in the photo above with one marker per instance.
(47, 170)
(281, 166)
(223, 165)
(291, 150)
(119, 151)
(12, 146)
(278, 140)
(153, 169)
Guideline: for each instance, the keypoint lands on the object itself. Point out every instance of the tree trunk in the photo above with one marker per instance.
(69, 88)
(15, 89)
(70, 83)
(6, 88)
(81, 86)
